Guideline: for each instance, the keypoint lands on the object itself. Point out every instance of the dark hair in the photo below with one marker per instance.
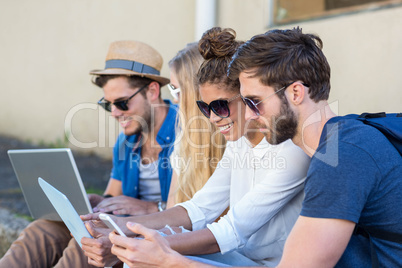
(217, 46)
(133, 80)
(279, 57)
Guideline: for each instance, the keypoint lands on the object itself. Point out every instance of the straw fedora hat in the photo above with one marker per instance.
(133, 58)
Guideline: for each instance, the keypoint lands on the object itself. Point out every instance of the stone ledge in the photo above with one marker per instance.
(10, 227)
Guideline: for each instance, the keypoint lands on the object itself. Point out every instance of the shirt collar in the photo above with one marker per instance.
(261, 149)
(166, 133)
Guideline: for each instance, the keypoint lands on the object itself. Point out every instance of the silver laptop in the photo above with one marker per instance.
(56, 166)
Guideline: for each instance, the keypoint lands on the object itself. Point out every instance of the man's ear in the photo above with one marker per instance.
(297, 92)
(153, 91)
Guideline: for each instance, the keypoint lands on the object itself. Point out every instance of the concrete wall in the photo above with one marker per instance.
(364, 50)
(48, 47)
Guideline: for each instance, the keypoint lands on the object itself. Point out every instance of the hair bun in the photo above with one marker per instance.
(218, 42)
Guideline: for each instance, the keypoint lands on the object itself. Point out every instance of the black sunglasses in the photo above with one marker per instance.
(121, 105)
(219, 107)
(254, 106)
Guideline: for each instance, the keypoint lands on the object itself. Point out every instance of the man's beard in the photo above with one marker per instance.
(145, 123)
(283, 126)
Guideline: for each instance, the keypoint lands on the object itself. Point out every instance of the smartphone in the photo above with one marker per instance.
(111, 224)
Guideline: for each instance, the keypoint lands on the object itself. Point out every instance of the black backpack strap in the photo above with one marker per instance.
(372, 115)
(359, 230)
(377, 233)
(370, 233)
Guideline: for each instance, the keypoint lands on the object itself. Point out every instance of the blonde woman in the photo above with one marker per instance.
(199, 146)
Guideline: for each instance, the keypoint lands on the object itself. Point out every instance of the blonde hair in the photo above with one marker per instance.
(200, 144)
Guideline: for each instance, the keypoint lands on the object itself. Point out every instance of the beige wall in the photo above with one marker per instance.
(48, 47)
(364, 50)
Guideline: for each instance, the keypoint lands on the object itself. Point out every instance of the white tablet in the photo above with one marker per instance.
(66, 211)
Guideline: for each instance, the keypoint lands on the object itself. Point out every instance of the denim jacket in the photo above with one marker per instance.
(127, 157)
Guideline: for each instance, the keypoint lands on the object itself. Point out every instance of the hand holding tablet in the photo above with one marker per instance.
(66, 211)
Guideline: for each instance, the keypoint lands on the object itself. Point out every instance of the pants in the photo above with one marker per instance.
(44, 244)
(233, 258)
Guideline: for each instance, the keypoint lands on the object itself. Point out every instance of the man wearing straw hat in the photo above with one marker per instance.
(141, 174)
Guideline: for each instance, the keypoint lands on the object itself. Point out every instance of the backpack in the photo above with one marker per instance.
(390, 125)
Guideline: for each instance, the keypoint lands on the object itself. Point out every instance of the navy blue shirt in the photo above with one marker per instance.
(127, 157)
(356, 175)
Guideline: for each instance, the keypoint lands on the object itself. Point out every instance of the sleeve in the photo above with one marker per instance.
(116, 174)
(275, 189)
(339, 191)
(209, 202)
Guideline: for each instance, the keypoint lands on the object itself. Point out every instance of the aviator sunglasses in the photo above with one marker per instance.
(219, 107)
(121, 105)
(254, 106)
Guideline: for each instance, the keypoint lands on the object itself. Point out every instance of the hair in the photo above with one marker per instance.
(134, 81)
(217, 46)
(279, 57)
(196, 131)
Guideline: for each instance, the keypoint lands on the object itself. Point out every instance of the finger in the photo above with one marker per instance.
(92, 229)
(115, 239)
(141, 230)
(121, 254)
(95, 261)
(109, 201)
(112, 207)
(123, 242)
(121, 212)
(99, 250)
(89, 243)
(90, 216)
(93, 256)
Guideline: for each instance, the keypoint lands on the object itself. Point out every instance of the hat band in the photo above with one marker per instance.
(131, 65)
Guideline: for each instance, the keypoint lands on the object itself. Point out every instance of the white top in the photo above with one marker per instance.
(264, 188)
(177, 162)
(149, 185)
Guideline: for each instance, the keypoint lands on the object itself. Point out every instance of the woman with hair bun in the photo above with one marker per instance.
(261, 183)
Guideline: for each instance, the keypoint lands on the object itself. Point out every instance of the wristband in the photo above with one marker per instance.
(107, 195)
(161, 206)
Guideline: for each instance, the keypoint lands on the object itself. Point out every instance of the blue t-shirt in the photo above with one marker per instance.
(356, 175)
(127, 157)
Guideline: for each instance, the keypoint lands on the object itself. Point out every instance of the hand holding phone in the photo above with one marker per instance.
(111, 223)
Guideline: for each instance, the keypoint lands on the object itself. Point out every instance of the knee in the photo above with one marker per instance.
(42, 228)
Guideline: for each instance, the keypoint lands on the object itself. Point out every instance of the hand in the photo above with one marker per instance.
(95, 199)
(98, 248)
(92, 222)
(152, 251)
(90, 217)
(120, 205)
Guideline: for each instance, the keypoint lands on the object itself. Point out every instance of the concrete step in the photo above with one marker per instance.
(10, 227)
